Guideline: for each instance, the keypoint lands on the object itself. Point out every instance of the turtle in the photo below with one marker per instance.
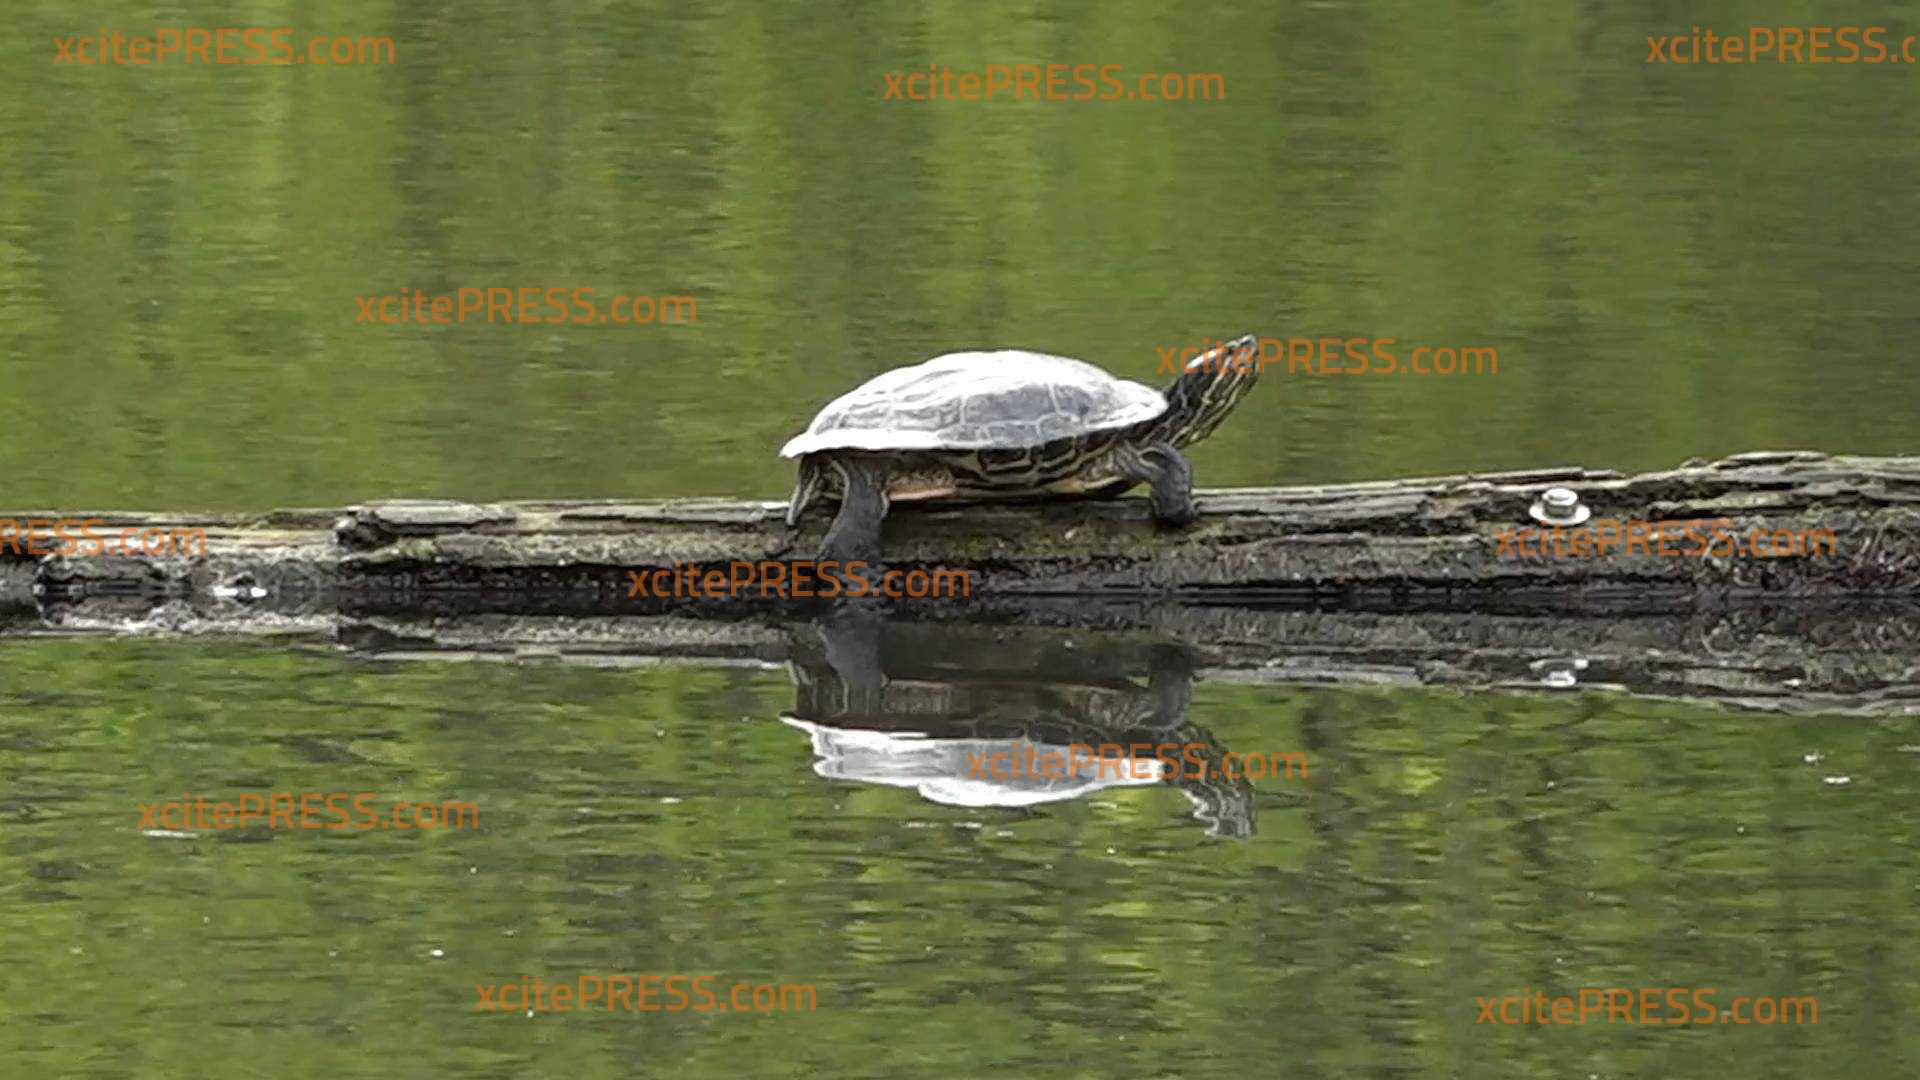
(1008, 424)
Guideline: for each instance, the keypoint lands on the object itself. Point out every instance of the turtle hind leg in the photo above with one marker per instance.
(855, 536)
(812, 480)
(1169, 478)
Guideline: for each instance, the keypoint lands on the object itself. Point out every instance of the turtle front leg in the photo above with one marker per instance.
(1169, 478)
(855, 536)
(1171, 680)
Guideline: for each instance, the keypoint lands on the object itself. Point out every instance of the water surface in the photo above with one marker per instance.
(663, 819)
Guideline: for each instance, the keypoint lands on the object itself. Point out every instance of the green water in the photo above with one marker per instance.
(1672, 261)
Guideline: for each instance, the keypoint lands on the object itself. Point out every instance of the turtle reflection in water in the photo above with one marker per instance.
(1009, 424)
(924, 705)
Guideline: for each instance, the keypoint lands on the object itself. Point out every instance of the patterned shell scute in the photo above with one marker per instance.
(978, 401)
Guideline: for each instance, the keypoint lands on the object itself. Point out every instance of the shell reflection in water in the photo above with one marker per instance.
(929, 706)
(968, 772)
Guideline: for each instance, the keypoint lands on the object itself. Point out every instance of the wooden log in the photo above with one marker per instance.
(1411, 540)
(1446, 540)
(1398, 583)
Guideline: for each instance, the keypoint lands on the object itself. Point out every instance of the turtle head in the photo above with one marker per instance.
(1212, 384)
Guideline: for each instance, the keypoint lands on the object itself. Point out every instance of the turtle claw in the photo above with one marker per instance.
(1180, 517)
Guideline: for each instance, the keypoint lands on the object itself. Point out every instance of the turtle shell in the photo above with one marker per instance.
(978, 401)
